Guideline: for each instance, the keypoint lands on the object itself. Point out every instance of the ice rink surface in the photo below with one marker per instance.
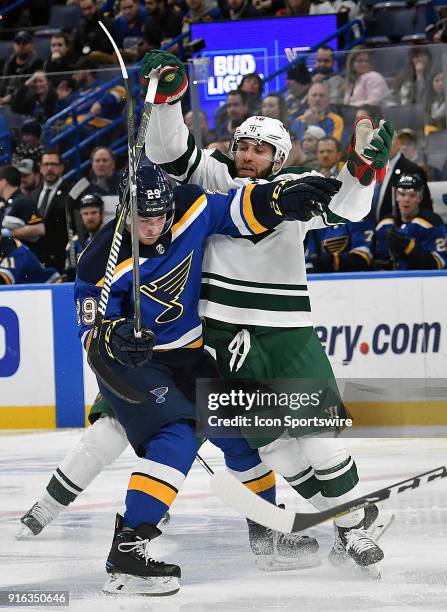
(209, 541)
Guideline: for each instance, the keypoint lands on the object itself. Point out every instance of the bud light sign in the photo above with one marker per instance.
(266, 45)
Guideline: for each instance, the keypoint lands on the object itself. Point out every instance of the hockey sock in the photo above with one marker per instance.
(245, 464)
(157, 478)
(305, 483)
(101, 444)
(339, 484)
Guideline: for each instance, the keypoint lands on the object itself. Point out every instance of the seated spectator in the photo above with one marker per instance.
(30, 144)
(91, 209)
(319, 114)
(274, 106)
(324, 73)
(50, 200)
(200, 11)
(5, 141)
(129, 23)
(298, 83)
(19, 265)
(237, 112)
(237, 9)
(350, 8)
(412, 83)
(407, 139)
(89, 36)
(207, 135)
(342, 248)
(36, 97)
(17, 211)
(102, 180)
(363, 85)
(294, 8)
(60, 59)
(163, 23)
(383, 204)
(23, 61)
(252, 85)
(435, 104)
(312, 135)
(31, 178)
(107, 108)
(418, 241)
(328, 156)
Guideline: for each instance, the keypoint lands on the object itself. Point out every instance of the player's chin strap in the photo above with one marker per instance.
(240, 340)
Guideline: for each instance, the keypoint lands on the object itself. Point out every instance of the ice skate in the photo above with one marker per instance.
(130, 569)
(357, 544)
(375, 523)
(276, 551)
(33, 521)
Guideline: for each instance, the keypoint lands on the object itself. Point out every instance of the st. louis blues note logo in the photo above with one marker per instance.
(167, 289)
(160, 393)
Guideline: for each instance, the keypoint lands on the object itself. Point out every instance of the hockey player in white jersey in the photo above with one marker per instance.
(254, 292)
(320, 470)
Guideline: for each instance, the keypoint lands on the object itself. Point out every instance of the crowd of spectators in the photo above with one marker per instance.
(324, 95)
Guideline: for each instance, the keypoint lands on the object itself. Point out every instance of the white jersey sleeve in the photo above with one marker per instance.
(170, 144)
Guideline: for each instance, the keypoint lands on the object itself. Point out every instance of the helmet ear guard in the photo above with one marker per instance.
(265, 129)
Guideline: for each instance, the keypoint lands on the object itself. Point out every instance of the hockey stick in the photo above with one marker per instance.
(250, 505)
(95, 360)
(132, 188)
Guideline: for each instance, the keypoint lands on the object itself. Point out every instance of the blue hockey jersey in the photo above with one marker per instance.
(349, 244)
(19, 265)
(428, 249)
(170, 270)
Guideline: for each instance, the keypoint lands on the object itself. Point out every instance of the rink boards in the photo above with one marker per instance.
(384, 333)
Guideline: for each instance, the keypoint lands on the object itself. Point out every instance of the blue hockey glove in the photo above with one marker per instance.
(122, 346)
(302, 199)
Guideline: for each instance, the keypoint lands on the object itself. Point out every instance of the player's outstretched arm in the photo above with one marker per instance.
(169, 142)
(254, 209)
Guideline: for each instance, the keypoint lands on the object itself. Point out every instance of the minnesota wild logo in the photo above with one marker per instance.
(167, 289)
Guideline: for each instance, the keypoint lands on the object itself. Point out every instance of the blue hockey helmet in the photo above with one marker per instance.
(154, 193)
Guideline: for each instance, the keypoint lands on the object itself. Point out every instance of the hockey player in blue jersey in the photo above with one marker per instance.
(19, 265)
(167, 360)
(420, 242)
(340, 248)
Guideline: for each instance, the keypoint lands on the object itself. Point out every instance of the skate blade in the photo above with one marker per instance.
(272, 563)
(380, 525)
(24, 533)
(372, 572)
(124, 584)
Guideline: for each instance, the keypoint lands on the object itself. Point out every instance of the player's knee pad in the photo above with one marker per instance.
(284, 456)
(324, 453)
(105, 440)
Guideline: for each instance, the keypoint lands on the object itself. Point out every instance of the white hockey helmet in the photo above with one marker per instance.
(265, 129)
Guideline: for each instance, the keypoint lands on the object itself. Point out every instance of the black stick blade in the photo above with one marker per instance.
(112, 381)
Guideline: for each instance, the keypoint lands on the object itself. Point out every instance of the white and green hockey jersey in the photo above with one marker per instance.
(260, 281)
